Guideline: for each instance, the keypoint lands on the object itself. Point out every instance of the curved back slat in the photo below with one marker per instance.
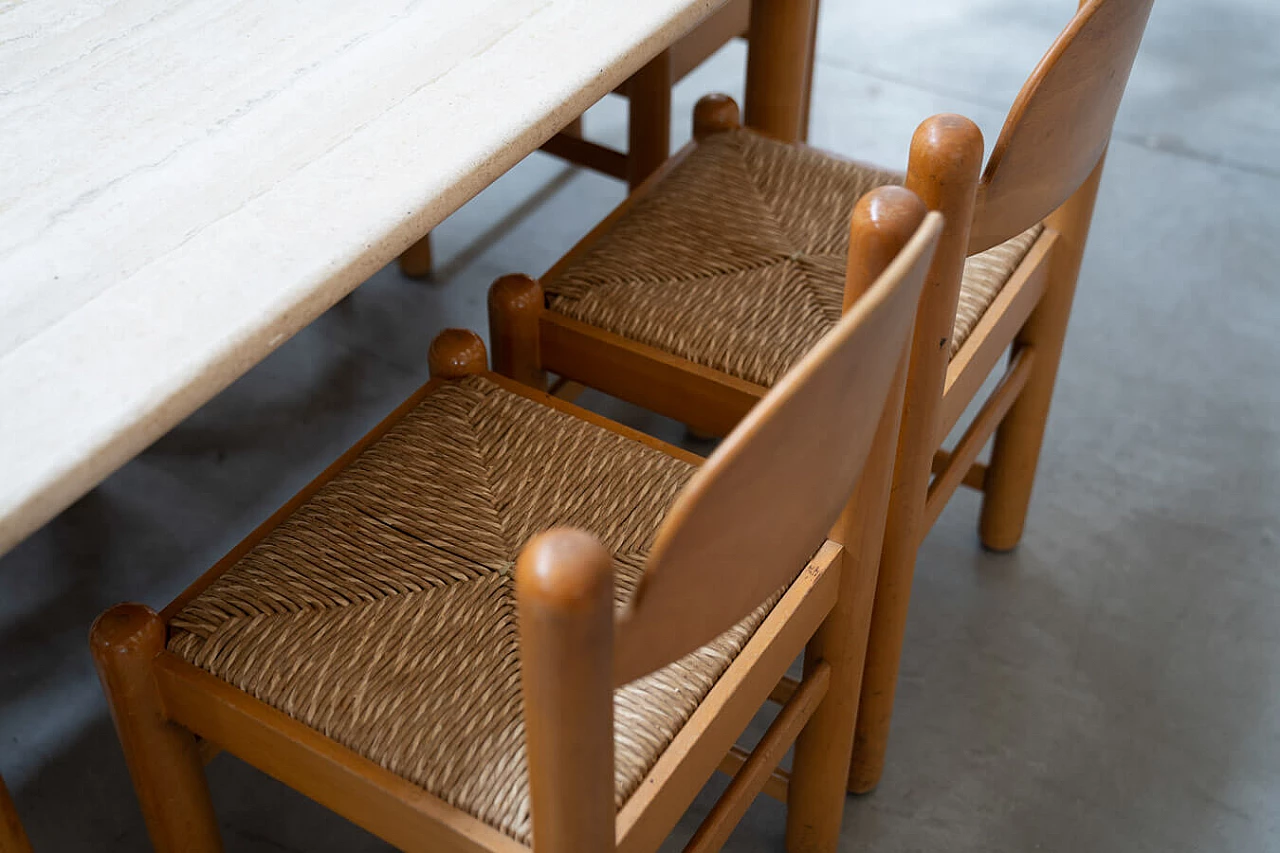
(762, 503)
(1060, 122)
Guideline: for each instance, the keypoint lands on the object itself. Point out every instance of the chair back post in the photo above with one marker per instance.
(882, 223)
(564, 595)
(946, 157)
(943, 168)
(1061, 121)
(763, 502)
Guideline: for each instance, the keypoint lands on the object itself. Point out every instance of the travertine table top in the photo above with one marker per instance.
(184, 184)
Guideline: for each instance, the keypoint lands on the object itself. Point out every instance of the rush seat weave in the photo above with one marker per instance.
(382, 612)
(736, 259)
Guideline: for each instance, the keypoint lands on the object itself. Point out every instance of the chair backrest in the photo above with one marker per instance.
(762, 503)
(1060, 122)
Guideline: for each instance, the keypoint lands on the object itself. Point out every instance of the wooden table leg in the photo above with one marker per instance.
(649, 119)
(779, 63)
(12, 837)
(416, 261)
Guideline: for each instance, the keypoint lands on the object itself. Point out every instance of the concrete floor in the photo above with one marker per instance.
(1112, 685)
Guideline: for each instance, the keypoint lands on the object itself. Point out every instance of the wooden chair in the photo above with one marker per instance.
(780, 74)
(369, 646)
(723, 269)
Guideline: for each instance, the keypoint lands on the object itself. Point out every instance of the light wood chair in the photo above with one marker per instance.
(388, 644)
(723, 269)
(781, 40)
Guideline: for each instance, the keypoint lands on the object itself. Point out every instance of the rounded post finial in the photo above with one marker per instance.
(882, 223)
(713, 114)
(456, 353)
(515, 307)
(127, 629)
(564, 568)
(946, 153)
(515, 292)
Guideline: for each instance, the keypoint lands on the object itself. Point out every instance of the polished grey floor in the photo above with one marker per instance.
(1113, 685)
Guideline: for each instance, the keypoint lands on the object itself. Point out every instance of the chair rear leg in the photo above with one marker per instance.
(823, 751)
(163, 759)
(820, 766)
(1016, 452)
(882, 223)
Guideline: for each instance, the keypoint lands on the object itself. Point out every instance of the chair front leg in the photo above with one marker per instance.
(163, 759)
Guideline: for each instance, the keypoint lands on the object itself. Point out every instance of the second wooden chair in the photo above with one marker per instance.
(713, 278)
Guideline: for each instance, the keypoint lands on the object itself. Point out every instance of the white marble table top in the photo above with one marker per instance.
(184, 184)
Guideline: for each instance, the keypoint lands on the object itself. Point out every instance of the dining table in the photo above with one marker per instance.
(185, 184)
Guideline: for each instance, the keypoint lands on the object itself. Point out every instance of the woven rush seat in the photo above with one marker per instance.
(736, 259)
(382, 612)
